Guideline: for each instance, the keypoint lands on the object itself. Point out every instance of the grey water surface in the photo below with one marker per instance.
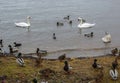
(44, 15)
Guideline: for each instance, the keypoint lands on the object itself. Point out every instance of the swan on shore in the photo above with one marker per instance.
(24, 24)
(84, 25)
(106, 38)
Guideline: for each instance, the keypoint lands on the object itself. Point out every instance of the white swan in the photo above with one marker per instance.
(106, 38)
(84, 25)
(113, 74)
(23, 24)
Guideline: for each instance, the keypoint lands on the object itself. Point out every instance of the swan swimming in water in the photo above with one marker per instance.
(84, 25)
(106, 38)
(24, 24)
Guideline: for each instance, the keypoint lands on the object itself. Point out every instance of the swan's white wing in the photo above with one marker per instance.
(22, 24)
(86, 25)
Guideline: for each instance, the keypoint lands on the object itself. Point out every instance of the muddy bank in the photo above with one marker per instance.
(82, 71)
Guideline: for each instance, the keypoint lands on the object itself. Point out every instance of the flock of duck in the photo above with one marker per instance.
(82, 25)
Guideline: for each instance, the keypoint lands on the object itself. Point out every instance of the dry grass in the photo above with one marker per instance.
(82, 71)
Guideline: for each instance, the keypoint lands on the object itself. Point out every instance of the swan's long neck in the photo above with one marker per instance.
(81, 21)
(28, 21)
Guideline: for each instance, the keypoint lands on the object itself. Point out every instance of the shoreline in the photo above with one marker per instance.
(79, 49)
(78, 52)
(34, 56)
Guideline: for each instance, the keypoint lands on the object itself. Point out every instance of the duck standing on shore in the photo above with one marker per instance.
(20, 60)
(10, 49)
(115, 63)
(67, 67)
(114, 51)
(62, 57)
(114, 74)
(95, 65)
(38, 53)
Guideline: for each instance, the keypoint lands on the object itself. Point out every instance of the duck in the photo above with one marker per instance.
(114, 51)
(59, 24)
(83, 24)
(114, 74)
(67, 67)
(20, 61)
(95, 65)
(89, 34)
(54, 37)
(106, 38)
(1, 52)
(24, 24)
(70, 22)
(62, 57)
(67, 17)
(17, 44)
(12, 49)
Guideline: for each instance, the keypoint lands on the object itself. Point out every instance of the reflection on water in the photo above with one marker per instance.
(107, 48)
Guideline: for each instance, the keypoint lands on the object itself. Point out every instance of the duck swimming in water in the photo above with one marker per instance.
(67, 17)
(17, 44)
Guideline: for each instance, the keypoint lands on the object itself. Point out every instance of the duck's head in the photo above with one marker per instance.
(66, 63)
(14, 42)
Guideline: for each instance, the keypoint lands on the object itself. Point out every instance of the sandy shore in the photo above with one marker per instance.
(82, 71)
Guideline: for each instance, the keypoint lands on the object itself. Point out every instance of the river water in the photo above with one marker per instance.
(44, 15)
